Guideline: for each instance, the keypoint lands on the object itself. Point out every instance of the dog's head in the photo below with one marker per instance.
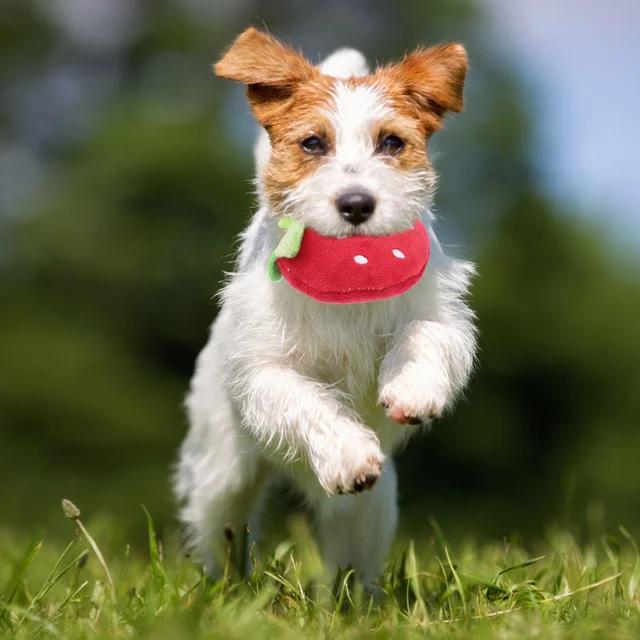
(348, 155)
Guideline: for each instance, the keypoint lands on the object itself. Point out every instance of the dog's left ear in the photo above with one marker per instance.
(433, 79)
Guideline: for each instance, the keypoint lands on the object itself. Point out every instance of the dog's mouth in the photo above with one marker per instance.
(391, 216)
(342, 232)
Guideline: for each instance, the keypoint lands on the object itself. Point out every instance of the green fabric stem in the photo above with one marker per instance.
(288, 247)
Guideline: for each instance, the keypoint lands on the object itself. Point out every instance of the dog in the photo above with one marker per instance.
(324, 393)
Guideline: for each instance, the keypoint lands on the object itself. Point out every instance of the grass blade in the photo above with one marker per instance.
(160, 575)
(520, 565)
(20, 571)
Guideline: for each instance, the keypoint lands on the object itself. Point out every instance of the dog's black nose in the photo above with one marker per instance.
(356, 206)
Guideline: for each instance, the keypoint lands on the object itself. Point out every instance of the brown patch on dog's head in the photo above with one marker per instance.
(427, 83)
(287, 95)
(413, 155)
(421, 89)
(304, 117)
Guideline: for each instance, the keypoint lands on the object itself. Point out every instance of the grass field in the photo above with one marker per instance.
(501, 590)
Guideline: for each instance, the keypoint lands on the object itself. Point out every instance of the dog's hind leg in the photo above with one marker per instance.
(226, 528)
(220, 488)
(356, 531)
(219, 476)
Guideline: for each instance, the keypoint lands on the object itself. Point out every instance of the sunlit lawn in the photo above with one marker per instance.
(558, 590)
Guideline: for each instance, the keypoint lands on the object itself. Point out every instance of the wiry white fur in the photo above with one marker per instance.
(345, 63)
(289, 385)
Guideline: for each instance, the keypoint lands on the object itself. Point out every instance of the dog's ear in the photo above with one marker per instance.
(433, 79)
(269, 68)
(258, 58)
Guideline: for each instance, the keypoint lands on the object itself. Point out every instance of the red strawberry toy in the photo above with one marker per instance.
(351, 269)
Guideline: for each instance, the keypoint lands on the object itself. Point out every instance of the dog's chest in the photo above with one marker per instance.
(343, 345)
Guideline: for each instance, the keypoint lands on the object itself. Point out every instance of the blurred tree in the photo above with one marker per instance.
(109, 271)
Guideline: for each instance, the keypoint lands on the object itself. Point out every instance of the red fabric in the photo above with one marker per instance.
(326, 270)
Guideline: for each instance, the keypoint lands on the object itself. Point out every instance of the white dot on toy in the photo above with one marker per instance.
(361, 260)
(397, 253)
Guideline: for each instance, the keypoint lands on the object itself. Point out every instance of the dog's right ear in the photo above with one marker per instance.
(269, 68)
(256, 58)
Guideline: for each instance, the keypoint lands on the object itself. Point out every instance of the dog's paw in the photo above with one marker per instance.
(363, 477)
(414, 399)
(358, 470)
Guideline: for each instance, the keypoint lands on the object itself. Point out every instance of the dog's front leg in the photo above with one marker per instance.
(293, 416)
(428, 364)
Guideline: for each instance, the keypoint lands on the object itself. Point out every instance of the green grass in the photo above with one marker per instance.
(560, 590)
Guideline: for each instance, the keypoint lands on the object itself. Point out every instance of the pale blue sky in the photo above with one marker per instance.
(583, 56)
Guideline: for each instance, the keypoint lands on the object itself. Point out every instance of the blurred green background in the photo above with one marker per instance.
(127, 175)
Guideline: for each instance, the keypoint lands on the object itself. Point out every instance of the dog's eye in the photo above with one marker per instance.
(314, 145)
(390, 145)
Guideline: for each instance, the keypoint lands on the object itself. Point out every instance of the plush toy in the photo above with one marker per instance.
(351, 269)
